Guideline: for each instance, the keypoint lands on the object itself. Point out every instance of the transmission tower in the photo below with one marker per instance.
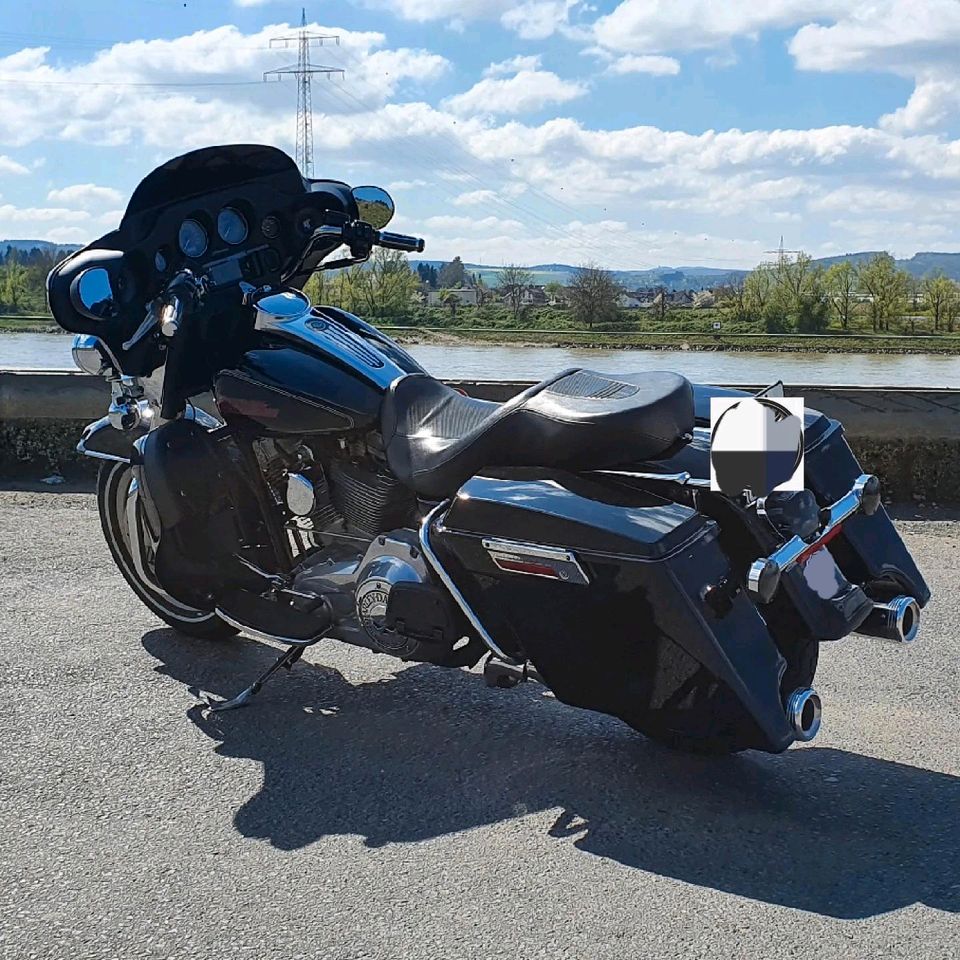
(783, 256)
(303, 71)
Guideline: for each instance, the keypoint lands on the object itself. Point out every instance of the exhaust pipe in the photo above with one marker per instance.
(897, 620)
(803, 713)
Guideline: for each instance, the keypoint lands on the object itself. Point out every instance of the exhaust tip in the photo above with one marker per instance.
(803, 713)
(905, 613)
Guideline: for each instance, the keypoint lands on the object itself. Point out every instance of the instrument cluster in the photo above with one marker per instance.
(244, 233)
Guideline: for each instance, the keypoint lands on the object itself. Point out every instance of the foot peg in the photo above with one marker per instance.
(505, 676)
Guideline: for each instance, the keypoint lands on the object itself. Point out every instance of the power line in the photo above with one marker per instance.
(303, 71)
(18, 81)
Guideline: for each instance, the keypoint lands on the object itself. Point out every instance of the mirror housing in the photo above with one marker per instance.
(92, 294)
(374, 205)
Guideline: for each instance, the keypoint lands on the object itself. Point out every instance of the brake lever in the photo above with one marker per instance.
(146, 325)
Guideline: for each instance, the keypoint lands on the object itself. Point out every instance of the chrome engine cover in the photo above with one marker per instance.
(392, 558)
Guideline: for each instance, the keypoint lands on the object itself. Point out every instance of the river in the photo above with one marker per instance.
(38, 351)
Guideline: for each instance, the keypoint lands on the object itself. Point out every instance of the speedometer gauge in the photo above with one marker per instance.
(192, 239)
(231, 226)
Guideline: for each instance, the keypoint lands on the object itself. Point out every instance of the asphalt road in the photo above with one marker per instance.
(362, 808)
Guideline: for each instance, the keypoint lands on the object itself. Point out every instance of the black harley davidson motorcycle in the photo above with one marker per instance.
(290, 472)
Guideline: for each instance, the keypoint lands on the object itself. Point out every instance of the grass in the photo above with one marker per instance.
(29, 325)
(547, 332)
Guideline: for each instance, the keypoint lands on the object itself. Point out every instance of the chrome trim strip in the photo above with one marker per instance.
(519, 550)
(452, 588)
(332, 337)
(795, 549)
(683, 478)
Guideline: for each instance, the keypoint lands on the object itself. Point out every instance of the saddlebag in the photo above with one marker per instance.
(606, 590)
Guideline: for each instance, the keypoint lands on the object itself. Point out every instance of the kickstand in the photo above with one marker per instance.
(286, 659)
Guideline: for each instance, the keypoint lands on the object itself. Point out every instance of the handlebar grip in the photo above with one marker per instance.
(400, 241)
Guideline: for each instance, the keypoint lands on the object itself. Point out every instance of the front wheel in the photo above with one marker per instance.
(130, 543)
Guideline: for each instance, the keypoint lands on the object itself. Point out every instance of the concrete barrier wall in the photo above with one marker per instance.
(909, 436)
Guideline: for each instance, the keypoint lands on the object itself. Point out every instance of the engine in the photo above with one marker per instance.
(364, 556)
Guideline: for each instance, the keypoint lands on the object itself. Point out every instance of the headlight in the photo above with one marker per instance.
(231, 226)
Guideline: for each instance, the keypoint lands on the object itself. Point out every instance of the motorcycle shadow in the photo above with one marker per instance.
(428, 752)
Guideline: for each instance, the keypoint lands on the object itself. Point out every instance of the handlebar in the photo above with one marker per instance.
(358, 230)
(400, 241)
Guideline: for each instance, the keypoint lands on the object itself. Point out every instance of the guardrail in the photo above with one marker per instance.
(910, 436)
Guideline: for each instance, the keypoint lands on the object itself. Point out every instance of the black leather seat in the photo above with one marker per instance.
(436, 438)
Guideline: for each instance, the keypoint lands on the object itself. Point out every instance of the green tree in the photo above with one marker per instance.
(386, 287)
(512, 282)
(886, 287)
(593, 295)
(13, 285)
(938, 292)
(759, 288)
(799, 300)
(451, 274)
(556, 292)
(841, 287)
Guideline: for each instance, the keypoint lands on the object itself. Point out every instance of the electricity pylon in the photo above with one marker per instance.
(303, 71)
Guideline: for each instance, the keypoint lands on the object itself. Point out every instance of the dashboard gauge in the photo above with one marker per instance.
(270, 227)
(231, 226)
(160, 261)
(192, 239)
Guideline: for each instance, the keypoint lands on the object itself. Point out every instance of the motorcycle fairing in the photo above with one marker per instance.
(639, 641)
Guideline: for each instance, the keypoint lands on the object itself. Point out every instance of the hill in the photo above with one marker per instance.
(673, 278)
(919, 265)
(28, 245)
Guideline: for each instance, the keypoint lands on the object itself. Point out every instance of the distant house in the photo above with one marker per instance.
(467, 297)
(628, 301)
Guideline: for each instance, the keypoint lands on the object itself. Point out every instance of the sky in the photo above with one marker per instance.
(631, 135)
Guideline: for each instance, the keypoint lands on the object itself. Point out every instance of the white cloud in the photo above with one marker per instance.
(650, 26)
(9, 165)
(653, 64)
(64, 102)
(918, 39)
(538, 19)
(526, 91)
(12, 214)
(513, 65)
(474, 198)
(85, 195)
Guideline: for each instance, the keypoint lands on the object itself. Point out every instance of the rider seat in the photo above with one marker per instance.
(436, 438)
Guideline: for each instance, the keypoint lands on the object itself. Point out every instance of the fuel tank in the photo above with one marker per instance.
(282, 389)
(314, 371)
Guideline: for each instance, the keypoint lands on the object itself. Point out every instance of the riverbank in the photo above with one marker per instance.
(830, 343)
(677, 340)
(28, 325)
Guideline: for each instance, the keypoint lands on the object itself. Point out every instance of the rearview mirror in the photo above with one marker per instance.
(93, 295)
(375, 205)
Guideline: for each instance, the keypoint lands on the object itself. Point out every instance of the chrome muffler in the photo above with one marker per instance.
(897, 620)
(803, 713)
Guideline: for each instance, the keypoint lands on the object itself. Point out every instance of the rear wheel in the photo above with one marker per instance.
(132, 547)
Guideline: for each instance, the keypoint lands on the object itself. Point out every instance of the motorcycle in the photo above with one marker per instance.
(290, 472)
